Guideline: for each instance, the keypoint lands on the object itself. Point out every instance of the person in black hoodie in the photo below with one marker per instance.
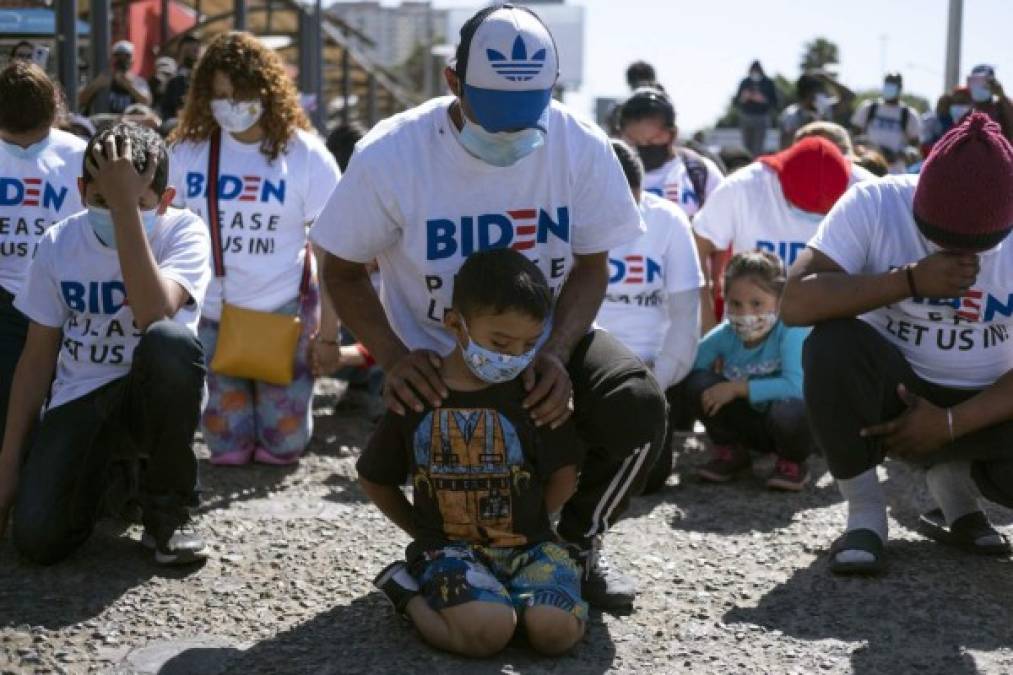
(755, 100)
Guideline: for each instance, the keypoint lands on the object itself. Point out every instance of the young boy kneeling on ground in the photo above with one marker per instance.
(113, 296)
(483, 556)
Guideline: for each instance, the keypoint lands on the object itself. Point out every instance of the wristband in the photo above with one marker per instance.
(370, 361)
(909, 271)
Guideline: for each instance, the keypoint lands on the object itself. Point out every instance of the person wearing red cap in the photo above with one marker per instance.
(909, 286)
(774, 204)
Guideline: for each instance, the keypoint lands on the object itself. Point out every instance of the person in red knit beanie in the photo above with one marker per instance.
(909, 286)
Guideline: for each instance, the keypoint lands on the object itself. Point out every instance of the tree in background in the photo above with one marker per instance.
(818, 54)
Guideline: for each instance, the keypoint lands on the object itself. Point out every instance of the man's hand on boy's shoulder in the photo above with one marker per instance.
(114, 174)
(550, 391)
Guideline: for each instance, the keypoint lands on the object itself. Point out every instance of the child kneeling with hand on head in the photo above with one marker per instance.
(485, 480)
(746, 386)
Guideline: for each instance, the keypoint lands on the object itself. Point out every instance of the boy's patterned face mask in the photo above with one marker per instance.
(494, 367)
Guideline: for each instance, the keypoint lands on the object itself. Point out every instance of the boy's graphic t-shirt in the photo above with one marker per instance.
(749, 212)
(477, 466)
(34, 194)
(961, 342)
(773, 368)
(75, 283)
(264, 208)
(414, 199)
(643, 273)
(672, 182)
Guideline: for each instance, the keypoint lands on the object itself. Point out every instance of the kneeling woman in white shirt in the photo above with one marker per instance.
(653, 302)
(274, 176)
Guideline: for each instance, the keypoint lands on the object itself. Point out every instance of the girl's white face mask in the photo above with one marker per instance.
(752, 327)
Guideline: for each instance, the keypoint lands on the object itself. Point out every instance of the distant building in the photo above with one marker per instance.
(396, 31)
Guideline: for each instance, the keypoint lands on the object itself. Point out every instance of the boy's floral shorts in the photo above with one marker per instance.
(542, 574)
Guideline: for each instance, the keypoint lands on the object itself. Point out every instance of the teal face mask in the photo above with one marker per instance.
(29, 153)
(102, 222)
(500, 149)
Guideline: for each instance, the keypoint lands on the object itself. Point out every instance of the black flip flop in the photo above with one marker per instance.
(964, 533)
(858, 540)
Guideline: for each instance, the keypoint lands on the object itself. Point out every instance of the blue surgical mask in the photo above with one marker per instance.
(980, 92)
(494, 367)
(958, 111)
(890, 91)
(505, 148)
(102, 222)
(29, 153)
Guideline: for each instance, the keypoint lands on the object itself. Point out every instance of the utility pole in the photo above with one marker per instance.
(66, 30)
(427, 54)
(954, 29)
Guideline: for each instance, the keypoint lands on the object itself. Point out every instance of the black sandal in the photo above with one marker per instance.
(858, 540)
(964, 533)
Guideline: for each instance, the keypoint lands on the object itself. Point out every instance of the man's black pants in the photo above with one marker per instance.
(620, 412)
(151, 413)
(13, 331)
(851, 378)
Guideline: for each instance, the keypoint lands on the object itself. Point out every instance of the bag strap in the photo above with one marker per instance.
(307, 271)
(697, 171)
(214, 155)
(873, 109)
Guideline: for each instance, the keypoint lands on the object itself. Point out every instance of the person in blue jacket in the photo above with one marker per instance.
(746, 386)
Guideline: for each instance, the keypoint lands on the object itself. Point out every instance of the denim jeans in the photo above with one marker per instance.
(150, 414)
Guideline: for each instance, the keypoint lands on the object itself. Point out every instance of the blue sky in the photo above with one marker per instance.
(702, 49)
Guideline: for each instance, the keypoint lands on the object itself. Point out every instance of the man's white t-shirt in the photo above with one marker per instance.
(887, 129)
(964, 342)
(672, 181)
(75, 283)
(749, 211)
(34, 194)
(264, 208)
(414, 199)
(643, 273)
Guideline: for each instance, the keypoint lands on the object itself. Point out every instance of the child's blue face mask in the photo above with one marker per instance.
(102, 222)
(494, 367)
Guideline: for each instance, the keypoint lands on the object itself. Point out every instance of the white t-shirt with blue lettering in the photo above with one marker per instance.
(963, 343)
(749, 211)
(672, 182)
(414, 199)
(264, 208)
(75, 283)
(34, 194)
(644, 272)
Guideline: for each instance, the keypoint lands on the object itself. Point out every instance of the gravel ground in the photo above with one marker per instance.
(734, 580)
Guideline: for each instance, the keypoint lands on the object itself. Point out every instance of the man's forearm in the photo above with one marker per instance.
(835, 295)
(358, 307)
(988, 408)
(330, 326)
(577, 305)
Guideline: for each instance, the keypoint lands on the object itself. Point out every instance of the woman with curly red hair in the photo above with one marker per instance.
(242, 122)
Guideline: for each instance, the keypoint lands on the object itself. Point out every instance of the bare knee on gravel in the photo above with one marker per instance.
(733, 579)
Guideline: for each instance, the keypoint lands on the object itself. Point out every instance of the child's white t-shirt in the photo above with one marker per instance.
(75, 283)
(963, 342)
(414, 199)
(643, 273)
(34, 194)
(264, 208)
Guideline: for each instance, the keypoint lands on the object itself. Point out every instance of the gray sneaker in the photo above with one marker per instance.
(603, 586)
(183, 546)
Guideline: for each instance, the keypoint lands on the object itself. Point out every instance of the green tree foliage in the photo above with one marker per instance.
(818, 54)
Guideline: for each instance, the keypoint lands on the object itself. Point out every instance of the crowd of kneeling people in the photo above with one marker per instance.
(533, 292)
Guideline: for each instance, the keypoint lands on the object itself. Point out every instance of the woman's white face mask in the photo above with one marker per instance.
(236, 117)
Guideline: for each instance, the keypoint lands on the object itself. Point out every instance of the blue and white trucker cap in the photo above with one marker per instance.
(509, 66)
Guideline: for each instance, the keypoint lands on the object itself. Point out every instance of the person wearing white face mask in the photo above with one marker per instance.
(39, 167)
(890, 124)
(746, 384)
(501, 165)
(820, 98)
(988, 96)
(756, 99)
(242, 122)
(114, 296)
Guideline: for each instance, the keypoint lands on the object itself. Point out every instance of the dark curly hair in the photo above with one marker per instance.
(144, 144)
(255, 71)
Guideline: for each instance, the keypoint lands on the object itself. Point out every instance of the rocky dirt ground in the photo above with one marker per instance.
(734, 581)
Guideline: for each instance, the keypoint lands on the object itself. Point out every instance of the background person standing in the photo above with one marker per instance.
(755, 100)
